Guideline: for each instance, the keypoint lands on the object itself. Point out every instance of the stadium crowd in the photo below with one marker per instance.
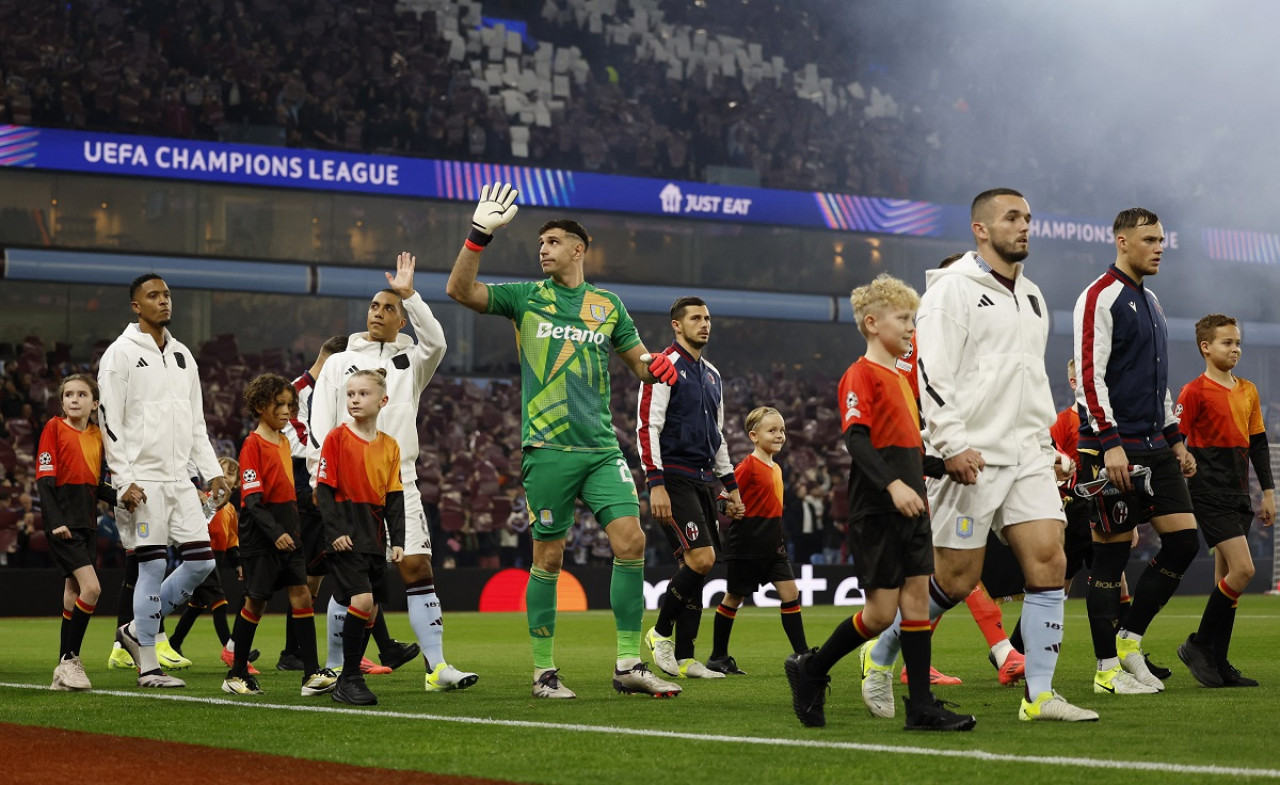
(640, 87)
(469, 461)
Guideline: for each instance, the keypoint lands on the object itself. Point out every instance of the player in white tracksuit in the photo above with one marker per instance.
(987, 405)
(152, 416)
(409, 366)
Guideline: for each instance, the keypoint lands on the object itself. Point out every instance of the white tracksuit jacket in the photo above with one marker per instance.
(409, 367)
(982, 377)
(152, 411)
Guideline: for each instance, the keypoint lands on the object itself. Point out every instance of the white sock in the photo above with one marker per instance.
(146, 603)
(427, 621)
(334, 619)
(1130, 636)
(182, 582)
(1042, 613)
(231, 646)
(1108, 663)
(1001, 651)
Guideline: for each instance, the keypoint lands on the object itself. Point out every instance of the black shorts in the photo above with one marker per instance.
(313, 543)
(888, 548)
(79, 551)
(210, 591)
(746, 575)
(693, 510)
(358, 573)
(1001, 573)
(1222, 517)
(267, 572)
(1123, 512)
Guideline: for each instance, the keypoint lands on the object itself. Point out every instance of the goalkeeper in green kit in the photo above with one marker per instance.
(565, 328)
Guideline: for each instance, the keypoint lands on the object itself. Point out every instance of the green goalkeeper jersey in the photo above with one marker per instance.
(564, 337)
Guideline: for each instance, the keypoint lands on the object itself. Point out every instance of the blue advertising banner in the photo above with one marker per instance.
(273, 167)
(276, 167)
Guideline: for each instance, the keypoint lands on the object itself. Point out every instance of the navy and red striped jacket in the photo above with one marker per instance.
(1122, 361)
(680, 429)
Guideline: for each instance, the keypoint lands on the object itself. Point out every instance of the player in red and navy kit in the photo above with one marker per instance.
(889, 532)
(358, 492)
(1221, 417)
(680, 432)
(1127, 419)
(68, 477)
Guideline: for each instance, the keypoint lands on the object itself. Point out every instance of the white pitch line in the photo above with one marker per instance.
(1049, 760)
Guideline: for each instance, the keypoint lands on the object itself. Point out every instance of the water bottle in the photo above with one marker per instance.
(211, 505)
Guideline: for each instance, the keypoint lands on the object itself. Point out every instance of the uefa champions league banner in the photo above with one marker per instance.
(275, 167)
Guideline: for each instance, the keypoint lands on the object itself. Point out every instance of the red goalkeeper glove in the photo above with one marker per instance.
(661, 367)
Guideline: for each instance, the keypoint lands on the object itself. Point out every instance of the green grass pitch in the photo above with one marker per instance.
(739, 730)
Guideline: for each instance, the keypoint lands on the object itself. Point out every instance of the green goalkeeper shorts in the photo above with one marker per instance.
(555, 479)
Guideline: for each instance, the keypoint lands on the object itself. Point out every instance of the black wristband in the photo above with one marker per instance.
(477, 237)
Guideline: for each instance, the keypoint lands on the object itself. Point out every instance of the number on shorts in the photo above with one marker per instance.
(624, 471)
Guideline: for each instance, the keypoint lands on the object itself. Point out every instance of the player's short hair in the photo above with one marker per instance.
(757, 414)
(377, 375)
(261, 391)
(333, 345)
(950, 260)
(679, 306)
(1134, 216)
(983, 199)
(1207, 328)
(399, 304)
(568, 227)
(230, 467)
(139, 281)
(884, 292)
(79, 377)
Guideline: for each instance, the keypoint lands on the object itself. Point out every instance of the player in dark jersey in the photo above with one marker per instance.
(1126, 418)
(566, 331)
(752, 546)
(358, 492)
(69, 479)
(1221, 418)
(271, 552)
(889, 532)
(680, 432)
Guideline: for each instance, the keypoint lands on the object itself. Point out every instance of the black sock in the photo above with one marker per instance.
(124, 606)
(1161, 578)
(721, 630)
(1214, 609)
(1223, 641)
(681, 589)
(64, 643)
(916, 653)
(246, 628)
(75, 627)
(354, 638)
(843, 640)
(1103, 601)
(1126, 602)
(1015, 640)
(380, 633)
(304, 632)
(687, 629)
(291, 637)
(793, 626)
(220, 624)
(185, 622)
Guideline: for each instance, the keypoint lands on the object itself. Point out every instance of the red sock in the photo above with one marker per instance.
(987, 614)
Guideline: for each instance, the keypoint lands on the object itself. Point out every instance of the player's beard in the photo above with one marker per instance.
(1010, 252)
